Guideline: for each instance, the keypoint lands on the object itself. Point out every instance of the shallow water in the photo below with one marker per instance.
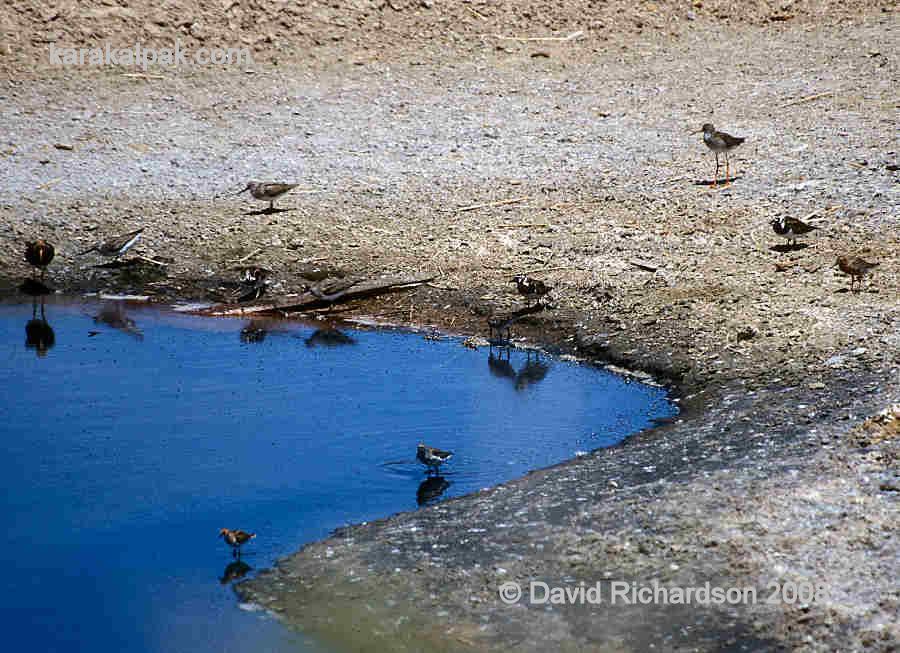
(136, 435)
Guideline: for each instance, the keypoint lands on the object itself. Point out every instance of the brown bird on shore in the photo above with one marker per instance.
(789, 228)
(530, 288)
(431, 457)
(856, 267)
(267, 191)
(719, 142)
(39, 254)
(115, 246)
(235, 539)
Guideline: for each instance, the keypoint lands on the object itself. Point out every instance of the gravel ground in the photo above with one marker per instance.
(581, 154)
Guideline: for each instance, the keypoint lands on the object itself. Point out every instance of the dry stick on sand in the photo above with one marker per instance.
(249, 256)
(489, 204)
(808, 98)
(50, 183)
(523, 226)
(545, 269)
(573, 35)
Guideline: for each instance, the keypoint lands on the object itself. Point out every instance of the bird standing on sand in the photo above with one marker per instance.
(235, 539)
(856, 267)
(789, 228)
(267, 191)
(530, 288)
(719, 142)
(115, 246)
(39, 254)
(431, 457)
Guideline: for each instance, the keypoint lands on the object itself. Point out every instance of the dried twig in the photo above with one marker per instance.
(50, 183)
(524, 226)
(573, 35)
(544, 269)
(481, 16)
(808, 98)
(249, 256)
(143, 75)
(150, 260)
(649, 267)
(489, 204)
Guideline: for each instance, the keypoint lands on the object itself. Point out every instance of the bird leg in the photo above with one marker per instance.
(727, 168)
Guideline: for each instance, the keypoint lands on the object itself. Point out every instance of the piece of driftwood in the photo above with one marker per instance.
(309, 300)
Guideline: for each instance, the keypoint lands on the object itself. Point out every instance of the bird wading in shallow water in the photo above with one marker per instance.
(115, 246)
(789, 228)
(431, 457)
(235, 539)
(39, 254)
(719, 142)
(856, 267)
(267, 191)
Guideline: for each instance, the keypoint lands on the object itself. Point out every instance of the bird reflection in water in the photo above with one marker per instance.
(430, 489)
(499, 366)
(532, 372)
(255, 331)
(235, 571)
(38, 333)
(329, 337)
(113, 315)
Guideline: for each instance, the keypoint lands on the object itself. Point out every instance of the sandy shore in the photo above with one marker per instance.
(474, 160)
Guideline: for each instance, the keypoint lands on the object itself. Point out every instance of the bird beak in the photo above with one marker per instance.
(246, 188)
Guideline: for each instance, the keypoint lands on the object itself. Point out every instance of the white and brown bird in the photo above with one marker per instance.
(235, 539)
(431, 457)
(39, 254)
(719, 142)
(266, 191)
(530, 288)
(115, 246)
(856, 267)
(789, 228)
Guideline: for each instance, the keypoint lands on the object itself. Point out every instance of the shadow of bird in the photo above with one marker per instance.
(499, 366)
(329, 337)
(39, 334)
(430, 489)
(235, 571)
(112, 315)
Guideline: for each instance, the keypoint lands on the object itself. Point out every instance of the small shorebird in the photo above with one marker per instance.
(431, 457)
(719, 142)
(235, 539)
(115, 246)
(790, 228)
(530, 288)
(39, 254)
(267, 191)
(502, 322)
(856, 267)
